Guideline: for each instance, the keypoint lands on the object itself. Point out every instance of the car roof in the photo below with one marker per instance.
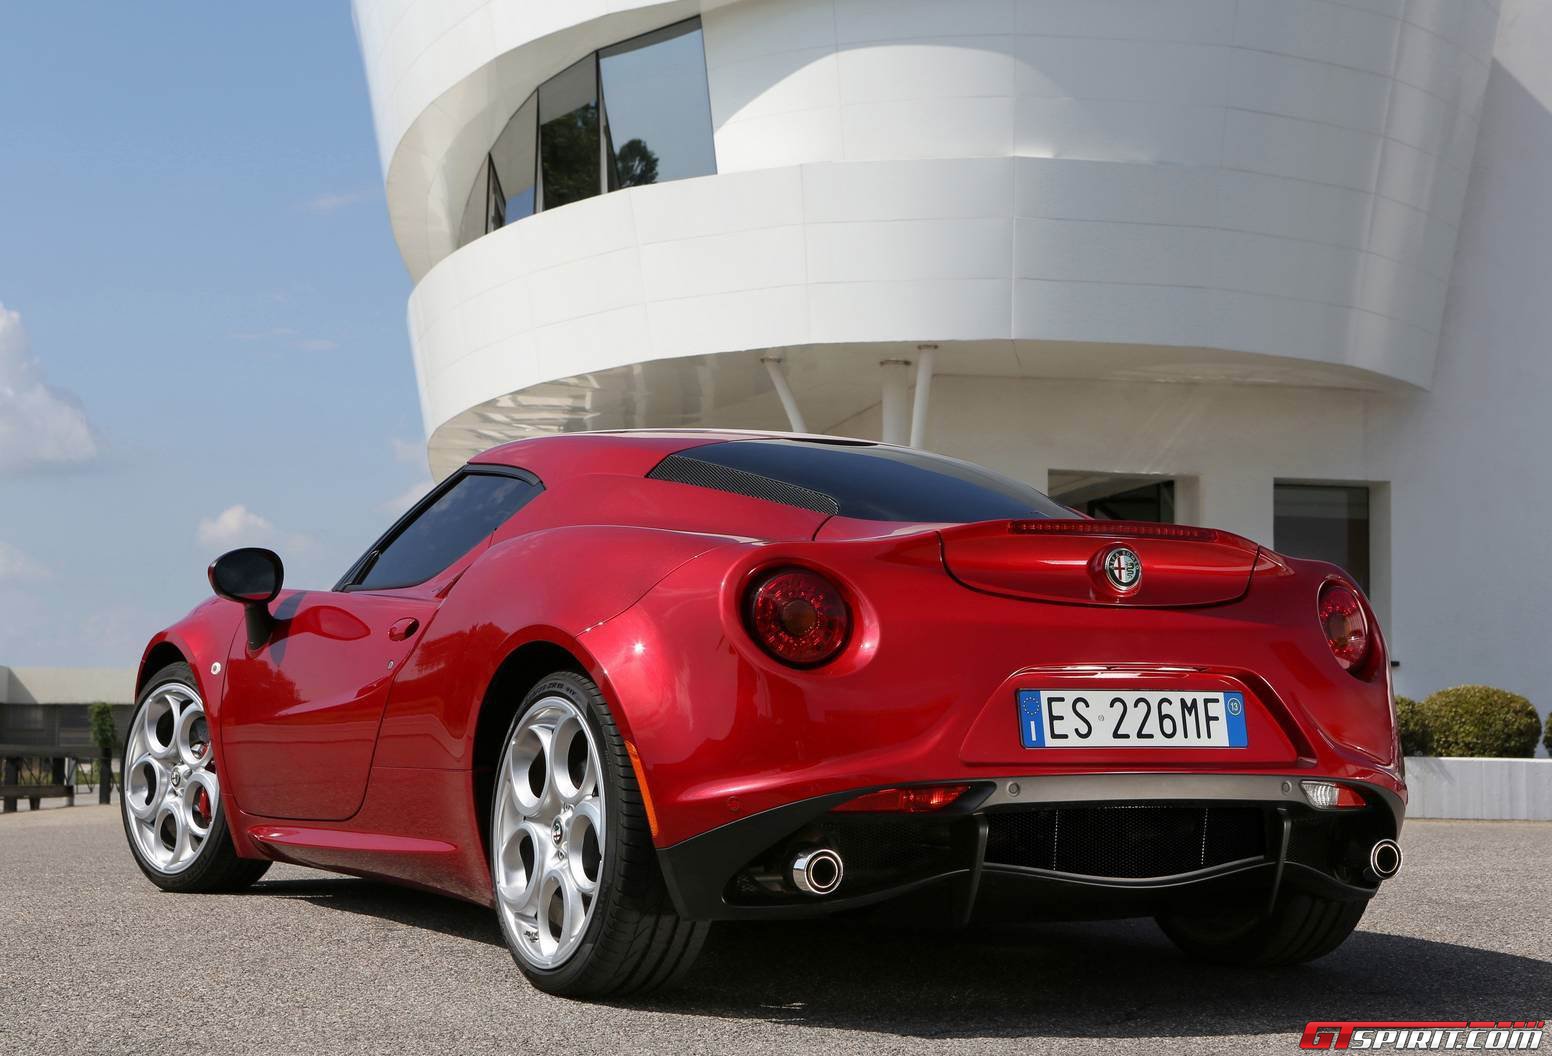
(627, 451)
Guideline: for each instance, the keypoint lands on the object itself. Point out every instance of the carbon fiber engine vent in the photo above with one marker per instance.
(686, 469)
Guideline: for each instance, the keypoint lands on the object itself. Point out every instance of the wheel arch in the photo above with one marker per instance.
(526, 662)
(158, 656)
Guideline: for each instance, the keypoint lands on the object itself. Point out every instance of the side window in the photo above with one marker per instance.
(473, 508)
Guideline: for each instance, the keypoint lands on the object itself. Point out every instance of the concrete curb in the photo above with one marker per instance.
(1487, 789)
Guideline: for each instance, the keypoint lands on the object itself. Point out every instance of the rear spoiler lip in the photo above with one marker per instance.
(1260, 560)
(1118, 530)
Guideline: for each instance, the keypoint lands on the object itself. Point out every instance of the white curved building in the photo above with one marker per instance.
(1278, 266)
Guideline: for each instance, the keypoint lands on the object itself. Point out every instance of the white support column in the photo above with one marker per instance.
(789, 402)
(897, 401)
(1238, 501)
(924, 364)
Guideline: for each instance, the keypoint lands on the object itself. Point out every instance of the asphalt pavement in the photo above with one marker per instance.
(94, 959)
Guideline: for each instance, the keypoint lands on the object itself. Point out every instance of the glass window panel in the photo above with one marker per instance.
(513, 159)
(569, 151)
(450, 527)
(657, 109)
(884, 483)
(1326, 522)
(495, 202)
(472, 225)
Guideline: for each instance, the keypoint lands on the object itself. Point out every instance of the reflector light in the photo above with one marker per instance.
(641, 783)
(1345, 626)
(1330, 796)
(918, 800)
(1129, 529)
(798, 616)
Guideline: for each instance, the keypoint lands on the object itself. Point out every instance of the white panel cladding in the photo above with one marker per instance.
(1269, 176)
(1308, 212)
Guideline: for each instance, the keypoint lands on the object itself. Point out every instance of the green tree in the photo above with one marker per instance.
(104, 735)
(635, 164)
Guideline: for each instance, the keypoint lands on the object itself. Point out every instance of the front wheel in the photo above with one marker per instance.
(1300, 928)
(577, 888)
(171, 797)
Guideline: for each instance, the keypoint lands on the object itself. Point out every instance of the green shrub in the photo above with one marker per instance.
(1412, 723)
(103, 733)
(1483, 721)
(1547, 740)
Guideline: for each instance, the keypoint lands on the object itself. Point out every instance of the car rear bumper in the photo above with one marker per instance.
(1063, 846)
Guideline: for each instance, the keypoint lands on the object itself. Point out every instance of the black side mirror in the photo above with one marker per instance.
(251, 577)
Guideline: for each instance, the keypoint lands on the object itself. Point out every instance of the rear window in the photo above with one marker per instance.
(857, 480)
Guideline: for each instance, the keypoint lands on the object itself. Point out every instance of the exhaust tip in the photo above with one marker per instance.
(1385, 859)
(817, 871)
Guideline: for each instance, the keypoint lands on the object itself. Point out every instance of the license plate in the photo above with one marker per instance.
(1068, 718)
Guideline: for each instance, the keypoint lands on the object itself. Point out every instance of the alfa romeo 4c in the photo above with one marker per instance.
(620, 686)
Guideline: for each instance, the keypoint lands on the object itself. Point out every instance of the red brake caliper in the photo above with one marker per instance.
(202, 804)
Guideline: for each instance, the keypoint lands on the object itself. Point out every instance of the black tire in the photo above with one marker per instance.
(216, 867)
(1301, 928)
(634, 942)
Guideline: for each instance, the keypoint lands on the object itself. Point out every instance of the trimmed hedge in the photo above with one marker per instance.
(1478, 720)
(1412, 724)
(1547, 740)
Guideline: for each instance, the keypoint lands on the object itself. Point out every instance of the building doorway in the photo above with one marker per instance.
(1115, 496)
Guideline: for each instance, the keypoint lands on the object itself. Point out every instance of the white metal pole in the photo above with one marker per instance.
(789, 402)
(924, 365)
(897, 402)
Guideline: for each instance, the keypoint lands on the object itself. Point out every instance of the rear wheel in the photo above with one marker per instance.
(577, 888)
(1301, 928)
(171, 798)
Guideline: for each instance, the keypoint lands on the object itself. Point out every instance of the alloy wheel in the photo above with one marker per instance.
(170, 786)
(549, 833)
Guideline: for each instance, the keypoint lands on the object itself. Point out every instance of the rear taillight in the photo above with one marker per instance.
(1345, 625)
(798, 616)
(923, 799)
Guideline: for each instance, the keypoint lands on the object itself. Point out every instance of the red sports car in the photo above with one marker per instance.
(619, 686)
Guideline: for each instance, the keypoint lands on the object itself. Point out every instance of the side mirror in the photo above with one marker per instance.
(251, 577)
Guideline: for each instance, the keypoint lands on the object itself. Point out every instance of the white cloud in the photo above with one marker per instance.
(234, 526)
(286, 335)
(329, 203)
(239, 526)
(410, 452)
(17, 567)
(408, 497)
(40, 426)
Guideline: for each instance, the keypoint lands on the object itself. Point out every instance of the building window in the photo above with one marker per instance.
(1327, 522)
(512, 165)
(635, 113)
(657, 111)
(1151, 502)
(570, 159)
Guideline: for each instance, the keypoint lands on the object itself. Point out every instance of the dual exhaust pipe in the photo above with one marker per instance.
(1384, 860)
(816, 870)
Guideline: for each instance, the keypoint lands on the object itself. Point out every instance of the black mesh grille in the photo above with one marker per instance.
(685, 469)
(1125, 842)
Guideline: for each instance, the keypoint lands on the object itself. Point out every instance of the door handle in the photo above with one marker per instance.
(403, 629)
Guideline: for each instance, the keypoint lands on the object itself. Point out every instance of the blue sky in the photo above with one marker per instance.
(202, 341)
